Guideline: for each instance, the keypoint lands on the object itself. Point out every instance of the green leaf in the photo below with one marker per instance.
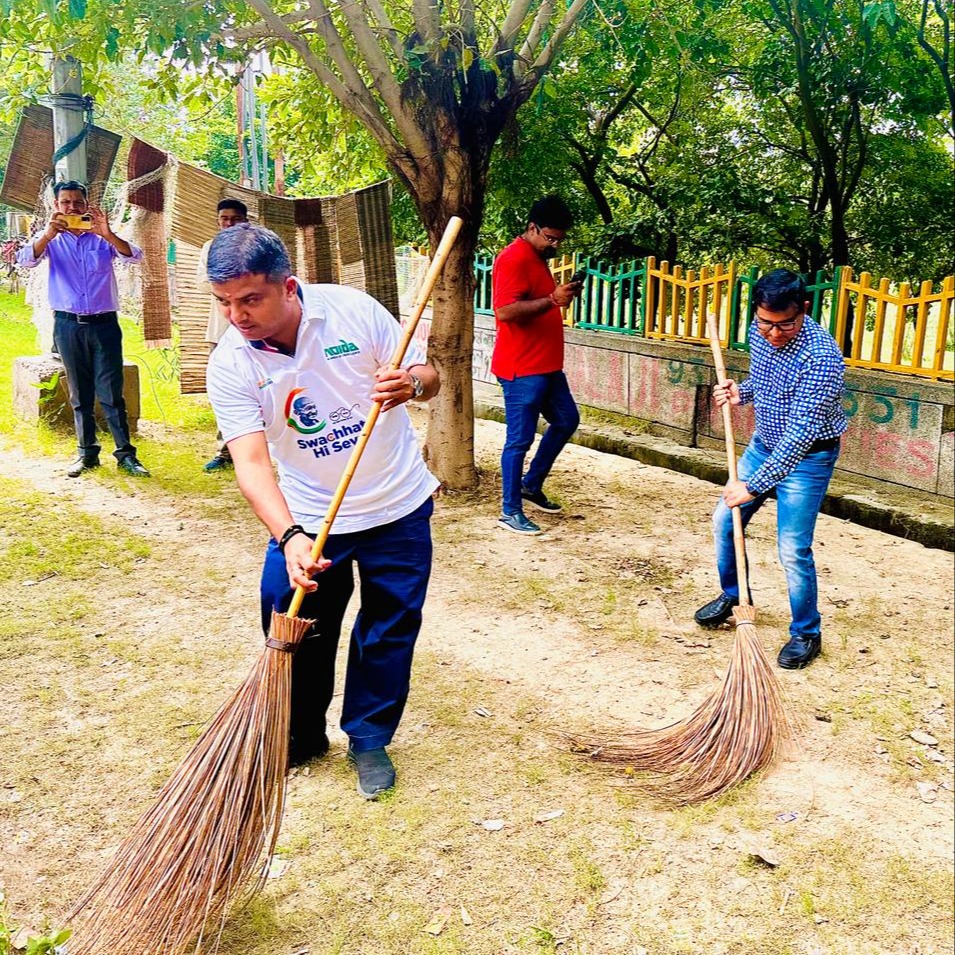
(112, 43)
(77, 9)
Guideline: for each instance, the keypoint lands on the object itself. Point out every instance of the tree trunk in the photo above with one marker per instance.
(449, 449)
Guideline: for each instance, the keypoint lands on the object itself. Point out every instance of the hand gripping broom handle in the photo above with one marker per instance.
(437, 263)
(739, 542)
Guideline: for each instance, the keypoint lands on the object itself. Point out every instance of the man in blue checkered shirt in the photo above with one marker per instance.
(795, 383)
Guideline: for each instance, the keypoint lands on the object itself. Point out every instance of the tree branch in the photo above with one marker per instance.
(353, 96)
(551, 49)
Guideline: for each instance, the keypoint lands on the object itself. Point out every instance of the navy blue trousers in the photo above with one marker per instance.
(394, 565)
(92, 355)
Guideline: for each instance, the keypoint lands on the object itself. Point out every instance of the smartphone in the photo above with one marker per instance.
(84, 222)
(578, 276)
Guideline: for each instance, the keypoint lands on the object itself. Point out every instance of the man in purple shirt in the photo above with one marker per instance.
(84, 299)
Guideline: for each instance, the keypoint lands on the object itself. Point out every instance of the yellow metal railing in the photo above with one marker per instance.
(897, 331)
(677, 305)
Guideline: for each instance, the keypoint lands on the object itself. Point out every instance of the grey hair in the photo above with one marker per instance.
(247, 249)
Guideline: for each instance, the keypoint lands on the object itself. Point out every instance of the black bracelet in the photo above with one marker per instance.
(289, 534)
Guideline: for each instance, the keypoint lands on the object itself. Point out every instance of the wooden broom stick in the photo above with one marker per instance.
(739, 541)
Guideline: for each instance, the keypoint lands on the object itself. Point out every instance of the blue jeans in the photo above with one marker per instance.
(394, 564)
(798, 499)
(526, 398)
(92, 355)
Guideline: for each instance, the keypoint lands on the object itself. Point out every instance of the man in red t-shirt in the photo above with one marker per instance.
(528, 360)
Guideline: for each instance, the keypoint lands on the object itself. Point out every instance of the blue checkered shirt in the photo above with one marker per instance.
(796, 392)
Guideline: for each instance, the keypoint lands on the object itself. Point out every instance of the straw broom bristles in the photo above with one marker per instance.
(208, 837)
(738, 730)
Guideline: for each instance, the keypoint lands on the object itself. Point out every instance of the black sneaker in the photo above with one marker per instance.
(301, 752)
(132, 465)
(376, 773)
(715, 612)
(799, 652)
(219, 463)
(541, 501)
(519, 524)
(81, 464)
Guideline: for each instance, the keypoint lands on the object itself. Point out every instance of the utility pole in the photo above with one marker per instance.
(69, 120)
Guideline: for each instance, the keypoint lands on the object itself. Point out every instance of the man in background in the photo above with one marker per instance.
(528, 360)
(229, 212)
(84, 297)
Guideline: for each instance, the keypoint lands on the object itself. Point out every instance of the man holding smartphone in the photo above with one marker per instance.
(528, 360)
(81, 247)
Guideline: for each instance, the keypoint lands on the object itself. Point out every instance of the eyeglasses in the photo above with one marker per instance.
(787, 325)
(552, 239)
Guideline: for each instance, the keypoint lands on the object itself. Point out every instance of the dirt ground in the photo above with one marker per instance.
(587, 628)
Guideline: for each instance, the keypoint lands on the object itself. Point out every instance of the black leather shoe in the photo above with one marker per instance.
(799, 652)
(131, 465)
(376, 774)
(300, 753)
(715, 612)
(81, 464)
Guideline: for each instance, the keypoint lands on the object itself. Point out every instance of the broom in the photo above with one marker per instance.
(207, 840)
(740, 727)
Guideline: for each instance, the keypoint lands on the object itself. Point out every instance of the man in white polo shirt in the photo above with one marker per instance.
(292, 380)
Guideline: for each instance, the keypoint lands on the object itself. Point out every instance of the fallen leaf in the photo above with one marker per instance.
(482, 712)
(20, 940)
(547, 816)
(438, 922)
(466, 917)
(824, 717)
(301, 950)
(766, 855)
(926, 739)
(928, 792)
(493, 825)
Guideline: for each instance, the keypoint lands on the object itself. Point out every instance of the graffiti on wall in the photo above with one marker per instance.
(896, 437)
(665, 391)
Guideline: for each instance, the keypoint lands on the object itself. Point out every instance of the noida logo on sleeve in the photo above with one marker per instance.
(301, 413)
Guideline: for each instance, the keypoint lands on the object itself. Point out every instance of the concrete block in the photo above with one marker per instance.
(946, 453)
(35, 400)
(665, 391)
(598, 377)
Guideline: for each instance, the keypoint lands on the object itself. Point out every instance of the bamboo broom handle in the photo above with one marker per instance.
(437, 264)
(739, 541)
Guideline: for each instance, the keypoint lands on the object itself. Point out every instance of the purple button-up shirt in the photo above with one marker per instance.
(81, 271)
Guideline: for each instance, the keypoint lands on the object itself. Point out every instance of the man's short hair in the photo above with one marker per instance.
(248, 249)
(776, 291)
(235, 204)
(551, 212)
(70, 185)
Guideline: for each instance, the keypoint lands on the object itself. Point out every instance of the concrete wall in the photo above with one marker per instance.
(900, 427)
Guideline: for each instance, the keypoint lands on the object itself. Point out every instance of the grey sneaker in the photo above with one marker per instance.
(376, 773)
(519, 524)
(81, 464)
(541, 501)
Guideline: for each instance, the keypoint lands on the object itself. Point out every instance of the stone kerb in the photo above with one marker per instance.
(34, 399)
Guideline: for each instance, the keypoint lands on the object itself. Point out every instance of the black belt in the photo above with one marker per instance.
(97, 318)
(824, 444)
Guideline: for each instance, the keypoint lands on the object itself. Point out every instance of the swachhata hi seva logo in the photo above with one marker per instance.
(301, 413)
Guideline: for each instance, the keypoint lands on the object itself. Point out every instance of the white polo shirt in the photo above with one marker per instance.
(312, 406)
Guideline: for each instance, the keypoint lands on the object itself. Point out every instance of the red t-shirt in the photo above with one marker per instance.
(535, 347)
